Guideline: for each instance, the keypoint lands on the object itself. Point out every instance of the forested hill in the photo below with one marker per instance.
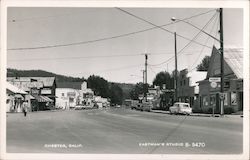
(41, 73)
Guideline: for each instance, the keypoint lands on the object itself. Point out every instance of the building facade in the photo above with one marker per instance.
(87, 95)
(34, 86)
(14, 98)
(67, 98)
(233, 83)
(70, 94)
(188, 88)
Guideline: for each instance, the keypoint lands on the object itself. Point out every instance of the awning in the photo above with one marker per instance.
(14, 89)
(29, 97)
(42, 98)
(18, 96)
(52, 96)
(48, 99)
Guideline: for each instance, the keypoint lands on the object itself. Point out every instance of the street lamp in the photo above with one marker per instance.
(173, 19)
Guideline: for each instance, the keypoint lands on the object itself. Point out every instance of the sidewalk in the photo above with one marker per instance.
(201, 114)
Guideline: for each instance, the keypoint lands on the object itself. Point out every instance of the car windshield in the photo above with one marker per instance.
(176, 105)
(184, 105)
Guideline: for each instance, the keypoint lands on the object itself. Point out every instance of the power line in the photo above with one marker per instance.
(202, 31)
(159, 26)
(188, 42)
(115, 69)
(216, 22)
(152, 70)
(107, 38)
(84, 57)
(87, 57)
(79, 57)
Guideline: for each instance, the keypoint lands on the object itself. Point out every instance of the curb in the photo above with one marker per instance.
(200, 115)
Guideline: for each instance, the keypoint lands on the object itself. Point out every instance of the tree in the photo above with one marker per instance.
(116, 94)
(105, 89)
(99, 85)
(136, 91)
(163, 78)
(203, 66)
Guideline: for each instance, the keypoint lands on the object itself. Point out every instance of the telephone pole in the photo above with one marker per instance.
(176, 82)
(145, 77)
(222, 60)
(143, 72)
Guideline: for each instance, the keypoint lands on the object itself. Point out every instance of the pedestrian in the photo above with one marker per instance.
(25, 107)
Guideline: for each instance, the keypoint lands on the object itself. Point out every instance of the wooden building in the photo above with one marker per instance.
(233, 83)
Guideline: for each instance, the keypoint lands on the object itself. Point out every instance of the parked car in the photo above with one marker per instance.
(87, 107)
(147, 106)
(134, 104)
(78, 107)
(180, 108)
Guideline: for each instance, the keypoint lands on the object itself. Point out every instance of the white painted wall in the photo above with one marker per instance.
(63, 97)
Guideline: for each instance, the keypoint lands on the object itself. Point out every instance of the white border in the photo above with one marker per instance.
(139, 3)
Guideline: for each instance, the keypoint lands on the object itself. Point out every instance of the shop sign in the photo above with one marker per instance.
(214, 79)
(71, 94)
(46, 91)
(27, 85)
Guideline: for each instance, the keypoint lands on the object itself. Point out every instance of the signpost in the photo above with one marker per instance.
(214, 84)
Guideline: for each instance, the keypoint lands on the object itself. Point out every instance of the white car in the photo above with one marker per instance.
(180, 108)
(78, 107)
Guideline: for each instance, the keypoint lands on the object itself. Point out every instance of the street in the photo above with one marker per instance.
(123, 131)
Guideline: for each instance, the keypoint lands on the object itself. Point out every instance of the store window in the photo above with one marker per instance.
(71, 100)
(233, 98)
(227, 84)
(212, 100)
(205, 101)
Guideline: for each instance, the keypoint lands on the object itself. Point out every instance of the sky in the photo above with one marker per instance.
(80, 42)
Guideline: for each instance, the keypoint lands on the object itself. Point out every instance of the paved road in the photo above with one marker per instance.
(122, 131)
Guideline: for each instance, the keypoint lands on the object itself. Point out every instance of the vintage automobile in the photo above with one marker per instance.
(180, 108)
(78, 107)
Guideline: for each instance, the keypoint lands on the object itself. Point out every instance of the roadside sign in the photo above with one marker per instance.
(214, 79)
(213, 84)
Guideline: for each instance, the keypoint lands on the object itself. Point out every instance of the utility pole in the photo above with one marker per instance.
(222, 60)
(176, 82)
(143, 72)
(145, 77)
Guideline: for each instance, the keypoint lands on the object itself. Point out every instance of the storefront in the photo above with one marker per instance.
(210, 95)
(42, 103)
(15, 98)
(41, 92)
